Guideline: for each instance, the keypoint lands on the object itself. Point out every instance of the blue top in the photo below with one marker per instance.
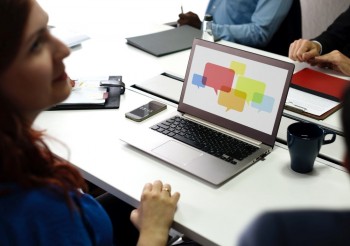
(247, 22)
(42, 217)
(295, 228)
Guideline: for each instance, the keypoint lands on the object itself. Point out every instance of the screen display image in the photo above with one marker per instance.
(245, 91)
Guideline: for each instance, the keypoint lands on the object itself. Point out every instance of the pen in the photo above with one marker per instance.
(295, 107)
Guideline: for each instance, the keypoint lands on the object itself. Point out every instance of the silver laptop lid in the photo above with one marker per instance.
(239, 90)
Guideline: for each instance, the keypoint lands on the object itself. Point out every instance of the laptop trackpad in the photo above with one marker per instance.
(177, 152)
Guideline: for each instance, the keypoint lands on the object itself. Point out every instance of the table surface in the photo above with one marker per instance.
(210, 215)
(90, 138)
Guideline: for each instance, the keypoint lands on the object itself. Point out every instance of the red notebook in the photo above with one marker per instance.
(320, 84)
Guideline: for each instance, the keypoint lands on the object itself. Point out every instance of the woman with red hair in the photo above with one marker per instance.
(41, 195)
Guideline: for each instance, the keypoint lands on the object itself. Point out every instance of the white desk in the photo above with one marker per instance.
(207, 214)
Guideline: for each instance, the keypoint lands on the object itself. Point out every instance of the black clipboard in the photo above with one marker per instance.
(115, 88)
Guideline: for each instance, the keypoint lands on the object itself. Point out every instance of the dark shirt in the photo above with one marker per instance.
(337, 35)
(42, 217)
(296, 228)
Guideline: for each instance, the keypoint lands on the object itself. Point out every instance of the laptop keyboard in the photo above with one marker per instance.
(206, 139)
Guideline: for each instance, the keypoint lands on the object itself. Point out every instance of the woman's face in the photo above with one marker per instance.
(36, 79)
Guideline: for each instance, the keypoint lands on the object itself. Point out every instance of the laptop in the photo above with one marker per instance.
(166, 42)
(228, 96)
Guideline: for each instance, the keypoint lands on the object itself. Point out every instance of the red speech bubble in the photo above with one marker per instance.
(218, 77)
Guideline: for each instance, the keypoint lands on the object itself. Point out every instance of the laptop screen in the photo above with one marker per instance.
(235, 89)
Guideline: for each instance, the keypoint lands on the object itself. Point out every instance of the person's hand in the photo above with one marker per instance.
(190, 19)
(334, 60)
(155, 214)
(303, 50)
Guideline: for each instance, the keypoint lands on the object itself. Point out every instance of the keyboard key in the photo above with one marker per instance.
(206, 139)
(187, 141)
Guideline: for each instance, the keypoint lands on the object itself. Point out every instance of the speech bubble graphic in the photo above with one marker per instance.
(234, 99)
(258, 98)
(266, 103)
(250, 86)
(238, 67)
(218, 77)
(199, 80)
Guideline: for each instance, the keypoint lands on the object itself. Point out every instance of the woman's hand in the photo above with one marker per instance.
(155, 214)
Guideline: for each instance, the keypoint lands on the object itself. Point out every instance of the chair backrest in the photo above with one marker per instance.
(289, 30)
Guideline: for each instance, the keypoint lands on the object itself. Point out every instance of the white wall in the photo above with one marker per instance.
(319, 14)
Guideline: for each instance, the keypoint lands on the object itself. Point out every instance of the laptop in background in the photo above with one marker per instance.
(227, 94)
(166, 42)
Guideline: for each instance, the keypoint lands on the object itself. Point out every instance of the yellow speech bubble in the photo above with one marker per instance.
(234, 99)
(250, 86)
(238, 67)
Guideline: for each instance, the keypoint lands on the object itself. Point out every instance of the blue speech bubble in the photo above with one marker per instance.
(199, 80)
(266, 104)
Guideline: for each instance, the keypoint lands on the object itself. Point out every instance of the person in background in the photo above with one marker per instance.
(331, 49)
(248, 22)
(41, 195)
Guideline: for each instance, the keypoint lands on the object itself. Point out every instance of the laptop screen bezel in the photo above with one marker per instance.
(268, 139)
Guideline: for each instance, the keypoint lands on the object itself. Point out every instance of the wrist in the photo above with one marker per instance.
(318, 46)
(153, 238)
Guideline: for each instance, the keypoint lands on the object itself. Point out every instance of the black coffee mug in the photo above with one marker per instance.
(304, 142)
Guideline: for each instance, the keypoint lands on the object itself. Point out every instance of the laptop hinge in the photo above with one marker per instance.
(222, 129)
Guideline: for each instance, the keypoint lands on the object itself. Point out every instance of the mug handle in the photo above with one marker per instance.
(327, 132)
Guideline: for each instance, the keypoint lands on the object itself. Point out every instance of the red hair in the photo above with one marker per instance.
(24, 157)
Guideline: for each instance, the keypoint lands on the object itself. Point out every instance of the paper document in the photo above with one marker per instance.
(309, 103)
(87, 92)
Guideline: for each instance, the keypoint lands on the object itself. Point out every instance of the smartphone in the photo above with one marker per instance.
(145, 111)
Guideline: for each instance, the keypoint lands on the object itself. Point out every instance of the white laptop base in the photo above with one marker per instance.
(192, 160)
